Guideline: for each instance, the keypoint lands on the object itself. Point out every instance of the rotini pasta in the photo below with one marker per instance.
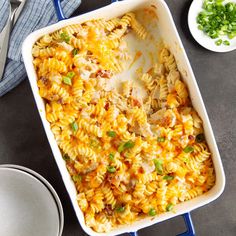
(128, 157)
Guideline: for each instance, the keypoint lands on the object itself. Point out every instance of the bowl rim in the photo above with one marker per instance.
(46, 184)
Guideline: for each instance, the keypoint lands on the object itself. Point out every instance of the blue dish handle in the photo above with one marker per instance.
(187, 217)
(188, 222)
(59, 11)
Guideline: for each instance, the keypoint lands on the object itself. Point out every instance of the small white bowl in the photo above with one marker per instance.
(200, 36)
(27, 206)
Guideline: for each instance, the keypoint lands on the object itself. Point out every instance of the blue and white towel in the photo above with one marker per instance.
(35, 15)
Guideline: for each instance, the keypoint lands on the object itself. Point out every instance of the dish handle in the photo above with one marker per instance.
(188, 222)
(59, 11)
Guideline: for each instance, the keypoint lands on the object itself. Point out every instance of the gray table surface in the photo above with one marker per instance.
(23, 141)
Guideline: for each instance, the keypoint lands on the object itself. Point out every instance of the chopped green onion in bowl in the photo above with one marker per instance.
(207, 30)
(218, 19)
(226, 42)
(218, 42)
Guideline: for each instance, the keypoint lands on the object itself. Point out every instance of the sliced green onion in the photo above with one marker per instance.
(121, 148)
(77, 178)
(169, 207)
(186, 159)
(200, 27)
(226, 42)
(111, 156)
(230, 6)
(218, 42)
(152, 212)
(200, 138)
(111, 169)
(158, 165)
(161, 139)
(74, 51)
(231, 35)
(127, 154)
(111, 134)
(213, 34)
(67, 80)
(168, 177)
(129, 144)
(120, 209)
(65, 37)
(70, 74)
(188, 149)
(74, 126)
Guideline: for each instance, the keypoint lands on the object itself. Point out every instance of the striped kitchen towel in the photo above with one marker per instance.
(35, 15)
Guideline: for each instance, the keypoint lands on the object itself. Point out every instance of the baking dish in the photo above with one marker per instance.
(163, 29)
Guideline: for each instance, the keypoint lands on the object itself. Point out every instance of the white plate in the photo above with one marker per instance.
(48, 185)
(26, 206)
(200, 36)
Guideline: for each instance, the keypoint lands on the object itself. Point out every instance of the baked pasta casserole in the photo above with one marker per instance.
(129, 156)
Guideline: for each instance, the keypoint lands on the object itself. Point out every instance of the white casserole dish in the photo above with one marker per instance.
(165, 28)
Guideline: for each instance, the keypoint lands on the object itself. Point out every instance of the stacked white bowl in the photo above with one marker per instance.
(29, 206)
